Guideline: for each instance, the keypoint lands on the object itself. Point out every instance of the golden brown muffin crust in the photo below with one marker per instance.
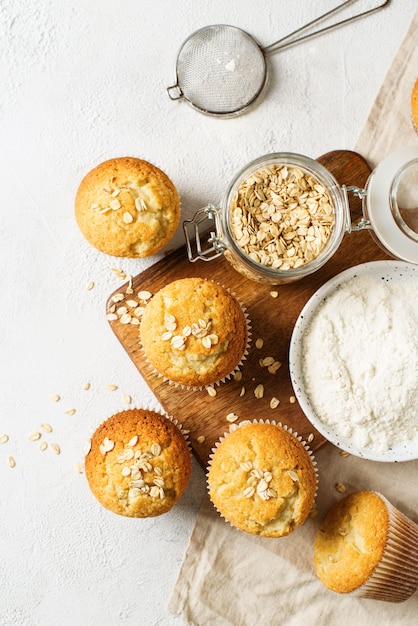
(127, 207)
(350, 541)
(262, 480)
(139, 463)
(215, 340)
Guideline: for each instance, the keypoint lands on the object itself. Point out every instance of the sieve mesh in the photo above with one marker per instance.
(221, 69)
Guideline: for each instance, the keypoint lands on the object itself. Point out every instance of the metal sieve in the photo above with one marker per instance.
(221, 70)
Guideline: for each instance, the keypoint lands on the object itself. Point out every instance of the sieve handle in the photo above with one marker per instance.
(293, 38)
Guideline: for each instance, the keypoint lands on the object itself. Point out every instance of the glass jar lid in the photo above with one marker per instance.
(392, 203)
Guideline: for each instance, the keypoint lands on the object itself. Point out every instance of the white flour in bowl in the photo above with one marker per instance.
(361, 361)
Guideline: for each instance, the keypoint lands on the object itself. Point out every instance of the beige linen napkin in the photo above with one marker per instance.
(231, 578)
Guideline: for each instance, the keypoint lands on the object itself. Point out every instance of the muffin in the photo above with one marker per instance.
(368, 548)
(127, 207)
(194, 332)
(414, 106)
(138, 463)
(262, 479)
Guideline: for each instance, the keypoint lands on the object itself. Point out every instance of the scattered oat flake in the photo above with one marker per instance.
(87, 447)
(11, 461)
(242, 392)
(70, 411)
(200, 439)
(259, 391)
(268, 360)
(231, 417)
(34, 436)
(118, 297)
(4, 438)
(274, 403)
(43, 446)
(90, 285)
(274, 294)
(112, 387)
(144, 295)
(344, 454)
(272, 369)
(47, 428)
(311, 437)
(55, 398)
(111, 317)
(86, 386)
(340, 487)
(55, 448)
(259, 343)
(119, 272)
(126, 398)
(238, 376)
(211, 391)
(292, 399)
(79, 467)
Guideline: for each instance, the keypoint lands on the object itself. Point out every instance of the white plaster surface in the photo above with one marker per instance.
(82, 81)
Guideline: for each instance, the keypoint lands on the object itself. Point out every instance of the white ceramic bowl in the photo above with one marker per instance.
(385, 270)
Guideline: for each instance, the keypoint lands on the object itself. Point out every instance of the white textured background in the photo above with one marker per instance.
(82, 81)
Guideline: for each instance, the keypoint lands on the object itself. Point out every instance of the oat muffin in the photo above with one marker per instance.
(262, 479)
(194, 332)
(366, 547)
(138, 463)
(414, 106)
(127, 207)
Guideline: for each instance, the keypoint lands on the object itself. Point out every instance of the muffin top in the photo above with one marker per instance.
(194, 332)
(127, 207)
(351, 540)
(138, 464)
(262, 480)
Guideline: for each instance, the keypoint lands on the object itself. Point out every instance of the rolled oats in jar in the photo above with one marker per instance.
(282, 217)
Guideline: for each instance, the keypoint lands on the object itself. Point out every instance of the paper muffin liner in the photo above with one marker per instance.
(184, 432)
(395, 578)
(215, 383)
(234, 427)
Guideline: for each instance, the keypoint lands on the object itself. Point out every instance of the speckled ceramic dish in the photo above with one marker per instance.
(390, 271)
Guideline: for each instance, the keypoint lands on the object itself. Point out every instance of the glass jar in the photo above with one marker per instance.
(391, 217)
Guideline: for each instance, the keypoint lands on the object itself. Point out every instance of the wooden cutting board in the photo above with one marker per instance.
(272, 319)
